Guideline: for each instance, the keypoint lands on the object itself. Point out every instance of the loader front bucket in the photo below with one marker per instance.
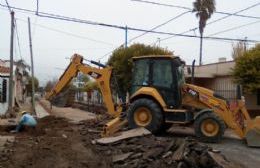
(253, 133)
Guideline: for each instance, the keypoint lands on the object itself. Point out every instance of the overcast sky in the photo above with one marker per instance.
(51, 48)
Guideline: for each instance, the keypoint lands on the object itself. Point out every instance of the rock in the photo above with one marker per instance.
(169, 146)
(121, 157)
(179, 152)
(219, 159)
(137, 155)
(167, 154)
(153, 153)
(64, 136)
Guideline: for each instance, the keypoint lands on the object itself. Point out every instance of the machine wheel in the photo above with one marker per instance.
(209, 127)
(145, 113)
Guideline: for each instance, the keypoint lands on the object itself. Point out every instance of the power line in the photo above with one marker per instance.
(8, 6)
(234, 28)
(76, 20)
(69, 34)
(156, 27)
(160, 25)
(216, 20)
(190, 9)
(190, 36)
(70, 19)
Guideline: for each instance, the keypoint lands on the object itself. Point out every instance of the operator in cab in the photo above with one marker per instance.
(26, 120)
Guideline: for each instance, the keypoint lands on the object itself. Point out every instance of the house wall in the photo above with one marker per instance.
(225, 86)
(251, 102)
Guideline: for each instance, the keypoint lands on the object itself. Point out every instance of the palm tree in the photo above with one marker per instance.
(204, 9)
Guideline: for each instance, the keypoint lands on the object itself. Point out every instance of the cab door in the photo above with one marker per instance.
(164, 79)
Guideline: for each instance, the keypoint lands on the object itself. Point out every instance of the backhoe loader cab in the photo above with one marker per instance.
(163, 73)
(156, 92)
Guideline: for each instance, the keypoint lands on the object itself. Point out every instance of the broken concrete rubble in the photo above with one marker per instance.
(151, 151)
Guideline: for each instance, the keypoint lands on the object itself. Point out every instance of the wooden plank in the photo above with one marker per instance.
(124, 135)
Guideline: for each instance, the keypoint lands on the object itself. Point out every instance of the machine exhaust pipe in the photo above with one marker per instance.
(192, 71)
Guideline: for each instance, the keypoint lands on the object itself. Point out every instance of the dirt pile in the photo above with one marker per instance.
(57, 143)
(53, 143)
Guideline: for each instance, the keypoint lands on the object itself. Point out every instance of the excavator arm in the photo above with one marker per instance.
(102, 77)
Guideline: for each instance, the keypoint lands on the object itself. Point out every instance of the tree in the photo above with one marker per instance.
(238, 49)
(203, 9)
(121, 62)
(29, 85)
(247, 69)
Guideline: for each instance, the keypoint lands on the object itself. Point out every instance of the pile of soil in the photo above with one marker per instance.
(56, 142)
(53, 143)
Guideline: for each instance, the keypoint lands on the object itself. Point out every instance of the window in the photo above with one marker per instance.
(162, 73)
(3, 91)
(141, 73)
(180, 75)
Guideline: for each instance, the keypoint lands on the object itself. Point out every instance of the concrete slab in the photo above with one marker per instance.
(137, 132)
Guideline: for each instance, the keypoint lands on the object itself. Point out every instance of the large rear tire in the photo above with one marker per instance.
(145, 113)
(209, 127)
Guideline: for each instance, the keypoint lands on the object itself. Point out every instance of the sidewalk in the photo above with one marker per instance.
(73, 114)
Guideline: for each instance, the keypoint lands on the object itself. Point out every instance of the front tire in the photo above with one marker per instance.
(145, 113)
(209, 127)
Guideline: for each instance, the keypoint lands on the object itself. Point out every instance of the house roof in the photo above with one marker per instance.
(4, 70)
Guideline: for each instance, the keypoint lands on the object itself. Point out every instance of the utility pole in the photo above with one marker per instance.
(159, 41)
(32, 67)
(10, 98)
(126, 31)
(245, 44)
(201, 41)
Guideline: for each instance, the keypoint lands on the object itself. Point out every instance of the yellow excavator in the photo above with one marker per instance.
(160, 96)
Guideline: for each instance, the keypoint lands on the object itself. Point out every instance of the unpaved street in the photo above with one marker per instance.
(66, 140)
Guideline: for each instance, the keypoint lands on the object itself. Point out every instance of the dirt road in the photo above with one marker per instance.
(57, 142)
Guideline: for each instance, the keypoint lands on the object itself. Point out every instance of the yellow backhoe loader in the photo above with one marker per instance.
(160, 96)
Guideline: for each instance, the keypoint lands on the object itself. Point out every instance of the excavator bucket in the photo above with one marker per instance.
(253, 133)
(113, 126)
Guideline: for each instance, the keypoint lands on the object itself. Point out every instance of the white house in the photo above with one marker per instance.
(20, 79)
(4, 83)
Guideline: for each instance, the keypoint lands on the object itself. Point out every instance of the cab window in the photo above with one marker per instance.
(162, 73)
